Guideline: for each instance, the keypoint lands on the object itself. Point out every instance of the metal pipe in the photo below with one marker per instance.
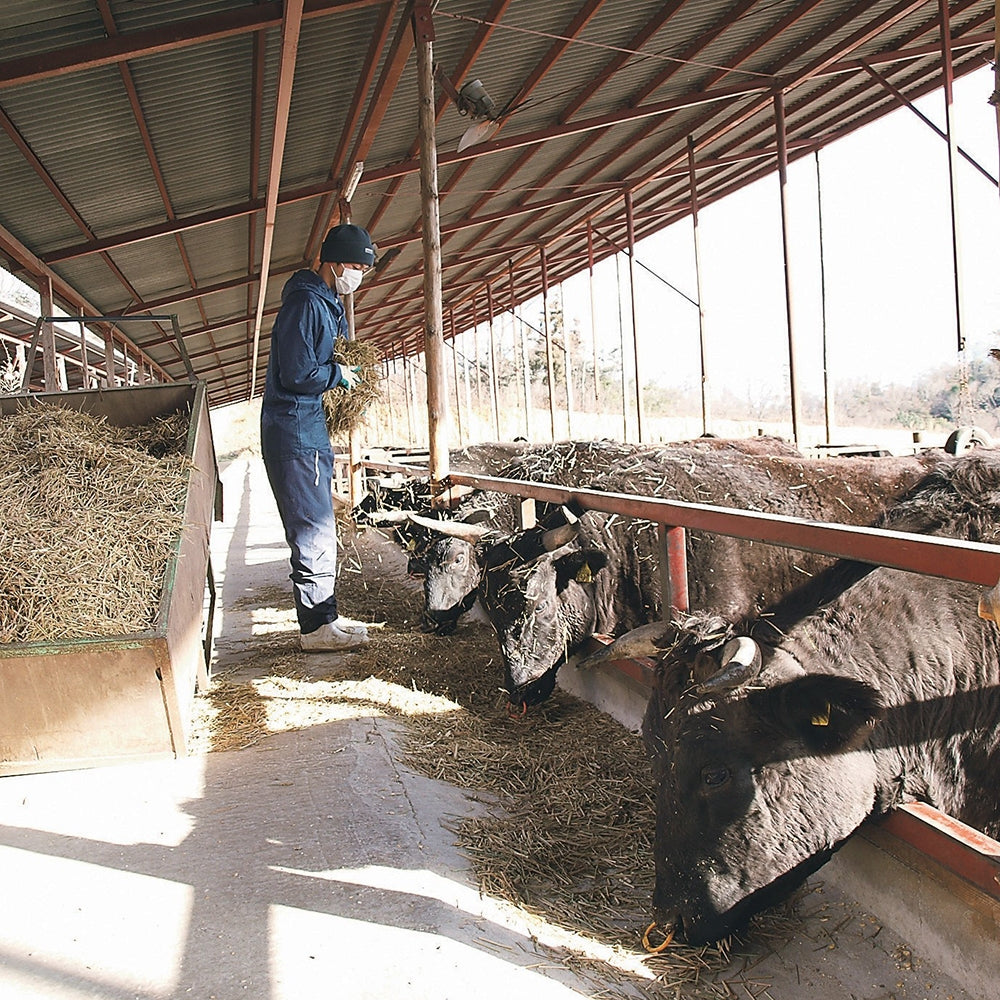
(827, 386)
(494, 381)
(693, 181)
(639, 402)
(548, 342)
(779, 123)
(567, 363)
(593, 310)
(947, 80)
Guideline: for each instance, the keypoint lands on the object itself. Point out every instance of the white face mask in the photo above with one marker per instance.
(349, 280)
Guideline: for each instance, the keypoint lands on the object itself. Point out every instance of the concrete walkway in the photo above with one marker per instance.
(311, 865)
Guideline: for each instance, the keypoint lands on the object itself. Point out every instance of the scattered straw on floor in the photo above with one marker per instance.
(568, 792)
(90, 515)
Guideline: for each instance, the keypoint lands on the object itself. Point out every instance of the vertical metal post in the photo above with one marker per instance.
(639, 402)
(525, 369)
(567, 363)
(947, 80)
(407, 399)
(494, 381)
(454, 365)
(593, 310)
(706, 417)
(827, 385)
(479, 377)
(548, 342)
(621, 345)
(779, 123)
(996, 69)
(437, 388)
(673, 568)
(84, 367)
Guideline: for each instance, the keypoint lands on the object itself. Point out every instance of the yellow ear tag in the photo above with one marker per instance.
(583, 574)
(822, 719)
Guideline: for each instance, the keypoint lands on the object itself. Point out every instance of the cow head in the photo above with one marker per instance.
(452, 570)
(761, 774)
(537, 591)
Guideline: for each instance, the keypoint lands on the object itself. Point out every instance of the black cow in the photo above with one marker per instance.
(775, 736)
(544, 602)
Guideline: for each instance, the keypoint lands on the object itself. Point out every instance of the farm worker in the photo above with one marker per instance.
(294, 439)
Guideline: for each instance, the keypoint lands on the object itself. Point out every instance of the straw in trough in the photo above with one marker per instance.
(344, 408)
(91, 516)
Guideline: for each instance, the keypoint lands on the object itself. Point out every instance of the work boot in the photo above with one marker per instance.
(350, 625)
(329, 638)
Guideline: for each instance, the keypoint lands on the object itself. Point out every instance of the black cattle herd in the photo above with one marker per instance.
(800, 697)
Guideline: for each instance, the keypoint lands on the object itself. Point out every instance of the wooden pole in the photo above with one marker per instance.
(109, 359)
(49, 366)
(356, 476)
(706, 415)
(437, 387)
(639, 402)
(779, 122)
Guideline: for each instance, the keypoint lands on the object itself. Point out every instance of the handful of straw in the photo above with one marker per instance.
(344, 408)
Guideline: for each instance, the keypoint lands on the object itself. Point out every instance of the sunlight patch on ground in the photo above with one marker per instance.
(430, 885)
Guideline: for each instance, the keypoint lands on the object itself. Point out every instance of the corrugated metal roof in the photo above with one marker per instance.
(80, 188)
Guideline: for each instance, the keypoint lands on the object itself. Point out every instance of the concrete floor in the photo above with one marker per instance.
(313, 865)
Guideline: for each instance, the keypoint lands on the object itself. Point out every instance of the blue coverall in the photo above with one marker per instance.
(295, 442)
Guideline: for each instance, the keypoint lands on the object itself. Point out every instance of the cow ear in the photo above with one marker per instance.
(580, 566)
(830, 714)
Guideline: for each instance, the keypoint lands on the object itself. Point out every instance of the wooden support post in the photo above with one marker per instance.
(49, 366)
(356, 475)
(109, 359)
(640, 408)
(779, 123)
(706, 408)
(437, 388)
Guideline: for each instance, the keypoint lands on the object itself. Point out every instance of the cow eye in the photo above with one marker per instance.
(714, 776)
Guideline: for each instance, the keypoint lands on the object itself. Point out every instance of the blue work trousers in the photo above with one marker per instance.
(302, 485)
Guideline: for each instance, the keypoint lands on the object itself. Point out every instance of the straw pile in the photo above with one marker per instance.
(344, 408)
(90, 516)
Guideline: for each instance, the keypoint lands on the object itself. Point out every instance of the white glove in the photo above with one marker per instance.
(349, 377)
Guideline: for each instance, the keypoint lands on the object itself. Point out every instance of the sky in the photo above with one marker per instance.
(887, 263)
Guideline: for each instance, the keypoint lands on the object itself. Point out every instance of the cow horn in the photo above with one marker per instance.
(390, 516)
(454, 529)
(640, 641)
(741, 663)
(556, 538)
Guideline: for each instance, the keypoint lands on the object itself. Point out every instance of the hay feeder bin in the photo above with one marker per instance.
(83, 702)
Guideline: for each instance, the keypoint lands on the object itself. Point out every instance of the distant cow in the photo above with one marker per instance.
(547, 592)
(775, 736)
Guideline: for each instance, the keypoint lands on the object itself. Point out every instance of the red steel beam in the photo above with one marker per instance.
(137, 44)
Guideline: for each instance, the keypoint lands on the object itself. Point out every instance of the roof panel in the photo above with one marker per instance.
(203, 102)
